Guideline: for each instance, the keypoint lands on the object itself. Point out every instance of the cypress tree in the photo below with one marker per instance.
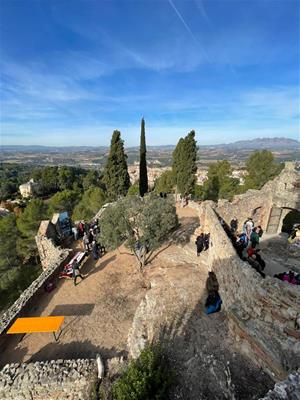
(184, 165)
(116, 177)
(143, 184)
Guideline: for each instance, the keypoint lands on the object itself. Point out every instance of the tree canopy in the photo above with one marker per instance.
(261, 167)
(90, 203)
(147, 221)
(28, 224)
(219, 183)
(184, 165)
(116, 177)
(64, 201)
(143, 182)
(8, 239)
(165, 183)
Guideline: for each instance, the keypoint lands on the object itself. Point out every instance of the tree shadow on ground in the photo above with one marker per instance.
(91, 268)
(186, 229)
(74, 350)
(153, 255)
(73, 309)
(15, 353)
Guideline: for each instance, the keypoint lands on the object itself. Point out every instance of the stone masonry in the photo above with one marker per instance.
(267, 206)
(46, 239)
(258, 309)
(51, 380)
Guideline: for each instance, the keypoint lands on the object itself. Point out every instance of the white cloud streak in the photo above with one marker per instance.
(189, 30)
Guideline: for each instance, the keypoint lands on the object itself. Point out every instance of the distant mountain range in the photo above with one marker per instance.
(260, 143)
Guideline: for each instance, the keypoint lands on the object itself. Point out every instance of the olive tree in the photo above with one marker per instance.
(141, 224)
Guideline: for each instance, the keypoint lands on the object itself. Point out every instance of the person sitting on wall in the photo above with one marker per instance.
(241, 244)
(212, 284)
(258, 257)
(252, 260)
(213, 301)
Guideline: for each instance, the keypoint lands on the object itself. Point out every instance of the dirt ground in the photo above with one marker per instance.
(98, 311)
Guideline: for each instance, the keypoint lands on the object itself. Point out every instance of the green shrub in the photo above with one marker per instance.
(147, 378)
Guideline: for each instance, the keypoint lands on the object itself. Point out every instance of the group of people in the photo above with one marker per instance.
(202, 242)
(88, 232)
(290, 276)
(246, 243)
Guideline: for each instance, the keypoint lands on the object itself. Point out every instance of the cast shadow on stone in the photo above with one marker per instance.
(185, 231)
(75, 350)
(206, 363)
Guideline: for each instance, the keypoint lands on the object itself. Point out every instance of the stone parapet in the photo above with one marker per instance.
(51, 380)
(8, 317)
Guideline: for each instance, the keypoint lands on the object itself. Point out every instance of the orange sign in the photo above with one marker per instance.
(36, 324)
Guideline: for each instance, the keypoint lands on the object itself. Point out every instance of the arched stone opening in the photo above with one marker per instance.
(292, 217)
(280, 219)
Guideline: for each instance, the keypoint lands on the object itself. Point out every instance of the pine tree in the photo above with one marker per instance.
(184, 165)
(143, 184)
(116, 177)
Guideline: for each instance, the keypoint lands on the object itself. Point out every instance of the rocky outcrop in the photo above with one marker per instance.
(173, 296)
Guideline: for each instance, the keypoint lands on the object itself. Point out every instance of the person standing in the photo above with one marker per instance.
(254, 238)
(75, 232)
(200, 243)
(86, 243)
(76, 273)
(234, 225)
(95, 250)
(249, 226)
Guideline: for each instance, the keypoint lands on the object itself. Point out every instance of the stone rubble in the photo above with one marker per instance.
(51, 380)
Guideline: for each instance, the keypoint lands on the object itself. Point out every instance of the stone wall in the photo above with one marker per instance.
(51, 380)
(263, 313)
(30, 295)
(282, 193)
(46, 240)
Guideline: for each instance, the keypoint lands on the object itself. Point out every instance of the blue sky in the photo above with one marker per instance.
(73, 71)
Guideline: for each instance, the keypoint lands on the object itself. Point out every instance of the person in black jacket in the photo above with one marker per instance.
(200, 243)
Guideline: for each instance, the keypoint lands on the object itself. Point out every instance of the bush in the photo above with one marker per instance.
(147, 378)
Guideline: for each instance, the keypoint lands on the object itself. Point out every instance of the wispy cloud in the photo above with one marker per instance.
(189, 29)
